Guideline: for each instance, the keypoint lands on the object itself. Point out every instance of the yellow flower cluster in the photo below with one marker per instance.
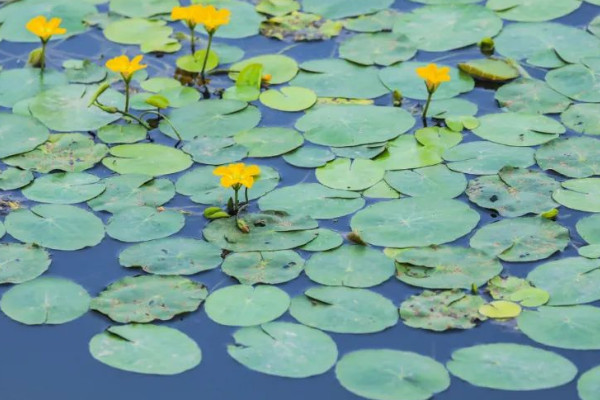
(45, 29)
(434, 76)
(124, 66)
(196, 14)
(236, 175)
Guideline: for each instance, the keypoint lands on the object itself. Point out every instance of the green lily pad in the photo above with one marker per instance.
(150, 34)
(531, 96)
(270, 267)
(450, 309)
(446, 267)
(269, 142)
(14, 178)
(309, 157)
(55, 226)
(329, 77)
(576, 157)
(352, 266)
(380, 21)
(284, 349)
(24, 83)
(146, 158)
(326, 240)
(413, 222)
(115, 133)
(83, 71)
(22, 262)
(64, 188)
(45, 300)
(486, 158)
(281, 68)
(518, 129)
(404, 78)
(588, 384)
(490, 69)
(382, 375)
(300, 26)
(146, 349)
(142, 8)
(521, 239)
(382, 48)
(579, 194)
(244, 305)
(204, 187)
(215, 151)
(589, 229)
(269, 231)
(20, 134)
(505, 287)
(504, 366)
(344, 174)
(289, 98)
(124, 191)
(172, 256)
(580, 82)
(140, 224)
(277, 7)
(195, 62)
(532, 10)
(312, 199)
(514, 192)
(448, 27)
(244, 20)
(352, 125)
(344, 310)
(563, 327)
(344, 8)
(405, 152)
(582, 118)
(435, 181)
(146, 298)
(364, 151)
(569, 281)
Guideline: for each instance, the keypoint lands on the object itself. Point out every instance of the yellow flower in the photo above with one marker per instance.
(192, 15)
(266, 78)
(124, 66)
(235, 175)
(212, 18)
(434, 76)
(45, 29)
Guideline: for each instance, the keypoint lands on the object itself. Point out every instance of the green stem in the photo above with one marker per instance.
(168, 121)
(429, 95)
(210, 36)
(235, 199)
(193, 39)
(127, 82)
(246, 193)
(43, 56)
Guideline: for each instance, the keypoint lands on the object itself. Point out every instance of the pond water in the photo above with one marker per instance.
(48, 362)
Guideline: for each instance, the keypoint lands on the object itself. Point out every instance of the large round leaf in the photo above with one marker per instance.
(22, 262)
(269, 142)
(579, 194)
(58, 227)
(64, 188)
(270, 267)
(142, 8)
(405, 152)
(383, 48)
(532, 10)
(281, 68)
(345, 174)
(45, 300)
(20, 134)
(414, 222)
(289, 98)
(24, 83)
(583, 118)
(215, 151)
(140, 224)
(518, 129)
(284, 349)
(435, 181)
(146, 349)
(14, 178)
(531, 96)
(580, 82)
(588, 385)
(146, 158)
(486, 158)
(575, 157)
(344, 8)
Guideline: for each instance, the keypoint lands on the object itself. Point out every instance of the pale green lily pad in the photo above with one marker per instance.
(504, 287)
(441, 311)
(142, 8)
(277, 7)
(329, 77)
(270, 267)
(115, 133)
(579, 194)
(589, 229)
(405, 152)
(140, 224)
(289, 98)
(404, 78)
(569, 281)
(212, 118)
(146, 349)
(490, 69)
(382, 48)
(448, 27)
(83, 71)
(139, 31)
(64, 188)
(204, 187)
(24, 83)
(215, 151)
(244, 305)
(352, 125)
(326, 240)
(509, 366)
(69, 152)
(146, 158)
(176, 98)
(531, 96)
(66, 108)
(45, 300)
(580, 82)
(530, 297)
(381, 190)
(309, 157)
(269, 142)
(521, 239)
(344, 310)
(569, 327)
(441, 109)
(284, 349)
(58, 227)
(146, 298)
(435, 181)
(575, 157)
(588, 385)
(344, 8)
(514, 192)
(352, 266)
(300, 26)
(518, 129)
(383, 375)
(486, 158)
(195, 62)
(22, 262)
(14, 178)
(312, 199)
(582, 118)
(365, 151)
(124, 191)
(281, 68)
(244, 20)
(344, 174)
(380, 21)
(414, 222)
(20, 134)
(269, 231)
(532, 10)
(172, 256)
(446, 267)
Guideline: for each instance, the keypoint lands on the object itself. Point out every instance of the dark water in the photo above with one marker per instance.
(52, 362)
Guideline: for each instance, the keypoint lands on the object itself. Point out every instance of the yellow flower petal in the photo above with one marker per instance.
(433, 76)
(252, 170)
(45, 29)
(122, 65)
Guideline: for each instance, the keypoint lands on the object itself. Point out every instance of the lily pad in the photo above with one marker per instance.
(326, 240)
(490, 69)
(300, 26)
(405, 152)
(64, 188)
(309, 157)
(384, 48)
(486, 158)
(244, 305)
(140, 224)
(115, 133)
(582, 118)
(25, 83)
(579, 194)
(504, 287)
(281, 68)
(532, 10)
(270, 267)
(146, 158)
(142, 8)
(344, 8)
(22, 262)
(290, 98)
(380, 21)
(269, 142)
(244, 20)
(589, 384)
(146, 349)
(576, 157)
(45, 300)
(344, 174)
(14, 178)
(580, 82)
(518, 129)
(501, 310)
(435, 181)
(531, 96)
(20, 134)
(83, 71)
(215, 151)
(284, 349)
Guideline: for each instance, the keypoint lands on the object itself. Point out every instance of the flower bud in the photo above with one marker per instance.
(550, 214)
(355, 238)
(158, 101)
(35, 58)
(214, 213)
(397, 96)
(101, 89)
(487, 46)
(242, 225)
